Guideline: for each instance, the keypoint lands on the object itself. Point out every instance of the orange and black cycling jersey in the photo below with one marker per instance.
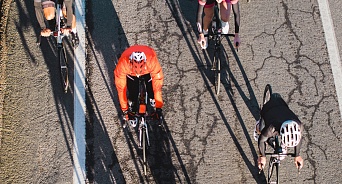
(124, 68)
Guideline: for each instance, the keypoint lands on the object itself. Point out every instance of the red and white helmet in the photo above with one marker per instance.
(138, 60)
(290, 133)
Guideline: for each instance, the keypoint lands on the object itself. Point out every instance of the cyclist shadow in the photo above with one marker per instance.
(160, 161)
(160, 168)
(250, 101)
(47, 52)
(106, 40)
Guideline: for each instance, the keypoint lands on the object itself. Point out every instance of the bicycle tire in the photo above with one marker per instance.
(277, 170)
(270, 170)
(271, 166)
(267, 94)
(144, 150)
(217, 62)
(62, 58)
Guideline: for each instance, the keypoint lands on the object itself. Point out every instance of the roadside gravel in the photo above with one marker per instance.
(5, 7)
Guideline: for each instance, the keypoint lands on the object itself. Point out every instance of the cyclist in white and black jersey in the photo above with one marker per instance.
(279, 120)
(207, 6)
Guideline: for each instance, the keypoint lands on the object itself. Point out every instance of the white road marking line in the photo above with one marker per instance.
(334, 56)
(79, 152)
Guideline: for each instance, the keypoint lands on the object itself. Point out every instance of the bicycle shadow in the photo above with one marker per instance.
(63, 103)
(251, 102)
(160, 162)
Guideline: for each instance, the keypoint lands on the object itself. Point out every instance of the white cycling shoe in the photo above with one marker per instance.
(225, 27)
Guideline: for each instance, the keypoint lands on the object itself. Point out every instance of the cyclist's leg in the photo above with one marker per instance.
(39, 13)
(225, 9)
(149, 89)
(208, 15)
(133, 91)
(70, 12)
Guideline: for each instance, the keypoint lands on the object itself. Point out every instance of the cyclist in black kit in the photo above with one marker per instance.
(279, 120)
(225, 8)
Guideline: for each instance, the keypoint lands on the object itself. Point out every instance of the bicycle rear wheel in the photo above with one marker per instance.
(62, 58)
(267, 94)
(217, 63)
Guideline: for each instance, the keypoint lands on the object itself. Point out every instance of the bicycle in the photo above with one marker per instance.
(60, 21)
(216, 35)
(141, 118)
(274, 142)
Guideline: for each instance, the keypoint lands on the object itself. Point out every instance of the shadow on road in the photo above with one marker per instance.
(182, 13)
(103, 165)
(63, 101)
(108, 40)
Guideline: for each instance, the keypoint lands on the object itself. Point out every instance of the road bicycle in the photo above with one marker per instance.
(60, 23)
(274, 142)
(215, 34)
(141, 119)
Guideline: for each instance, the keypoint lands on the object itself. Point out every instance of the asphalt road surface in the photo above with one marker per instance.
(205, 138)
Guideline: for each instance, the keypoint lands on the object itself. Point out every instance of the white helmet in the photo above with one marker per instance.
(290, 133)
(137, 57)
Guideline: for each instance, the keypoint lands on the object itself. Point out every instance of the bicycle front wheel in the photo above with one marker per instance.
(144, 150)
(217, 62)
(271, 168)
(62, 58)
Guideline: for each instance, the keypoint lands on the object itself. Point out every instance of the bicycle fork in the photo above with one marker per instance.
(143, 127)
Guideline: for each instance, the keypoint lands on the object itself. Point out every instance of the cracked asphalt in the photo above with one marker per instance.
(205, 138)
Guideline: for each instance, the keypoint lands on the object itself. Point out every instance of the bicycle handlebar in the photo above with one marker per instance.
(229, 34)
(280, 154)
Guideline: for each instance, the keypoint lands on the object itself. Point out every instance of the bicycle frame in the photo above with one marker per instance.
(59, 16)
(216, 35)
(141, 117)
(275, 159)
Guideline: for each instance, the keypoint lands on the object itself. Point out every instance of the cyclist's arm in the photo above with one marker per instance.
(39, 14)
(236, 11)
(266, 133)
(262, 145)
(120, 80)
(157, 79)
(199, 19)
(297, 148)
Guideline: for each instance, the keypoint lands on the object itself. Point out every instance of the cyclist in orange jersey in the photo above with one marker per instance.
(135, 62)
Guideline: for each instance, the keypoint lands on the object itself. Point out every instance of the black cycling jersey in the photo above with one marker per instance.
(236, 11)
(274, 113)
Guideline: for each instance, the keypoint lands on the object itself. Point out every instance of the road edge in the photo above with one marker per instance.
(5, 8)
